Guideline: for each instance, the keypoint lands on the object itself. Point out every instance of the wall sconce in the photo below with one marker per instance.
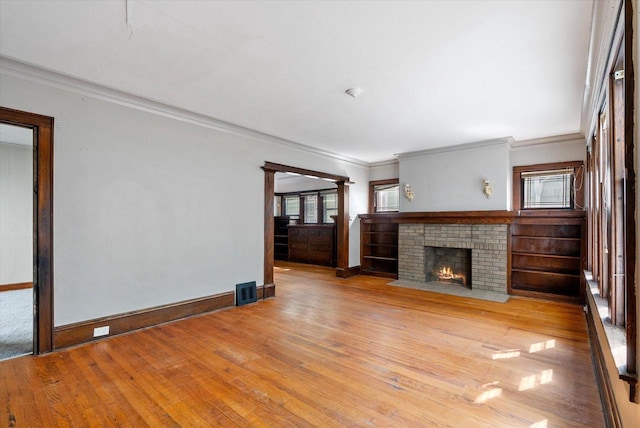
(408, 192)
(487, 189)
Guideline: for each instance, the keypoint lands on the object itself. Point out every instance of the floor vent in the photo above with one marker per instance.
(246, 293)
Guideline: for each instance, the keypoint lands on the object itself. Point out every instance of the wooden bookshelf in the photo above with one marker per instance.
(546, 258)
(378, 247)
(281, 238)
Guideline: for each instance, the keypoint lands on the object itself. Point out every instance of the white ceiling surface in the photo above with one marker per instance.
(433, 73)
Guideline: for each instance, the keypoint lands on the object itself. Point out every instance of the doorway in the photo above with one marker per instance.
(342, 220)
(40, 129)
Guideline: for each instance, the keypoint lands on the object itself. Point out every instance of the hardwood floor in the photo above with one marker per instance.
(324, 352)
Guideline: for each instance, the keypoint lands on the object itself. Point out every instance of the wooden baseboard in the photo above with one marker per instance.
(347, 272)
(16, 286)
(81, 332)
(266, 291)
(78, 333)
(610, 410)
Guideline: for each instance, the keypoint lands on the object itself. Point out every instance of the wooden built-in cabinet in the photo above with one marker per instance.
(547, 257)
(311, 243)
(378, 246)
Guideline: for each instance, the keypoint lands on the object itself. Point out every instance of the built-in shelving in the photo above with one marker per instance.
(546, 258)
(281, 238)
(378, 247)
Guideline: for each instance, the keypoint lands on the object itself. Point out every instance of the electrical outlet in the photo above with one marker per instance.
(101, 331)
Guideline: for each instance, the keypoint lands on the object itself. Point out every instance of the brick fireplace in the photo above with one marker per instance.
(487, 244)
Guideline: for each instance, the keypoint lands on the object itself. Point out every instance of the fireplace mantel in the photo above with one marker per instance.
(472, 217)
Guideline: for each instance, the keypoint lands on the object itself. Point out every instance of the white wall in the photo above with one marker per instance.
(384, 170)
(150, 210)
(452, 179)
(545, 151)
(16, 214)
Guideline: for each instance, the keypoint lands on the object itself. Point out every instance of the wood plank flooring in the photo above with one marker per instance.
(325, 352)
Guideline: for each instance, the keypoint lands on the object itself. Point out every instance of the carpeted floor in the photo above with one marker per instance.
(16, 323)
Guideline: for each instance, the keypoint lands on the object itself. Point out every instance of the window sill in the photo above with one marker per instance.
(616, 338)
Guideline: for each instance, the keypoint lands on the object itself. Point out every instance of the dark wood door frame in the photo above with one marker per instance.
(342, 224)
(42, 127)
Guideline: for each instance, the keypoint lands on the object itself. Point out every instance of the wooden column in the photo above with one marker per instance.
(342, 228)
(269, 183)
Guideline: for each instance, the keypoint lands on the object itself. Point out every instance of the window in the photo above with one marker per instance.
(316, 206)
(329, 206)
(310, 208)
(547, 189)
(384, 196)
(292, 205)
(551, 186)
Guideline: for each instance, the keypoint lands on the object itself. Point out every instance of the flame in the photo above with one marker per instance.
(447, 274)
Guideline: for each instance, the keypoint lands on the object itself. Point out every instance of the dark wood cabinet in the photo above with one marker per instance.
(313, 244)
(546, 257)
(281, 238)
(378, 246)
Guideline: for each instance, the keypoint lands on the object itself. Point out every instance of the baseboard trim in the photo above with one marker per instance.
(266, 291)
(610, 410)
(347, 272)
(16, 286)
(82, 332)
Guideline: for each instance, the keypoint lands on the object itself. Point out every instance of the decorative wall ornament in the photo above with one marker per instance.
(487, 189)
(408, 193)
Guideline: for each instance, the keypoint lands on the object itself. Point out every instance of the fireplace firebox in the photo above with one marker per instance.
(448, 265)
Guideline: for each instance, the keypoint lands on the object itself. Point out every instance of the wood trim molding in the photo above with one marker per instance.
(342, 226)
(372, 184)
(577, 166)
(476, 217)
(630, 191)
(277, 167)
(81, 332)
(43, 221)
(269, 226)
(266, 291)
(16, 286)
(610, 409)
(348, 272)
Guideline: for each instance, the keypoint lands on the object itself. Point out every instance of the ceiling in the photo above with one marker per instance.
(432, 73)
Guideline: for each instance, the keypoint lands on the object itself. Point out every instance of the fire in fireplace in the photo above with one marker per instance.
(449, 265)
(446, 274)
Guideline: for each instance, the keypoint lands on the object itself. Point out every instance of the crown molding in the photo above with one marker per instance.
(548, 140)
(478, 144)
(384, 163)
(21, 70)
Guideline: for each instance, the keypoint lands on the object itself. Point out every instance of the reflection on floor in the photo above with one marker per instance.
(452, 290)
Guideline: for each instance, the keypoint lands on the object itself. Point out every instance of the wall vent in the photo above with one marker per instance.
(246, 293)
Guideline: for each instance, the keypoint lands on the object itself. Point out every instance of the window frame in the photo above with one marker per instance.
(577, 187)
(372, 192)
(301, 195)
